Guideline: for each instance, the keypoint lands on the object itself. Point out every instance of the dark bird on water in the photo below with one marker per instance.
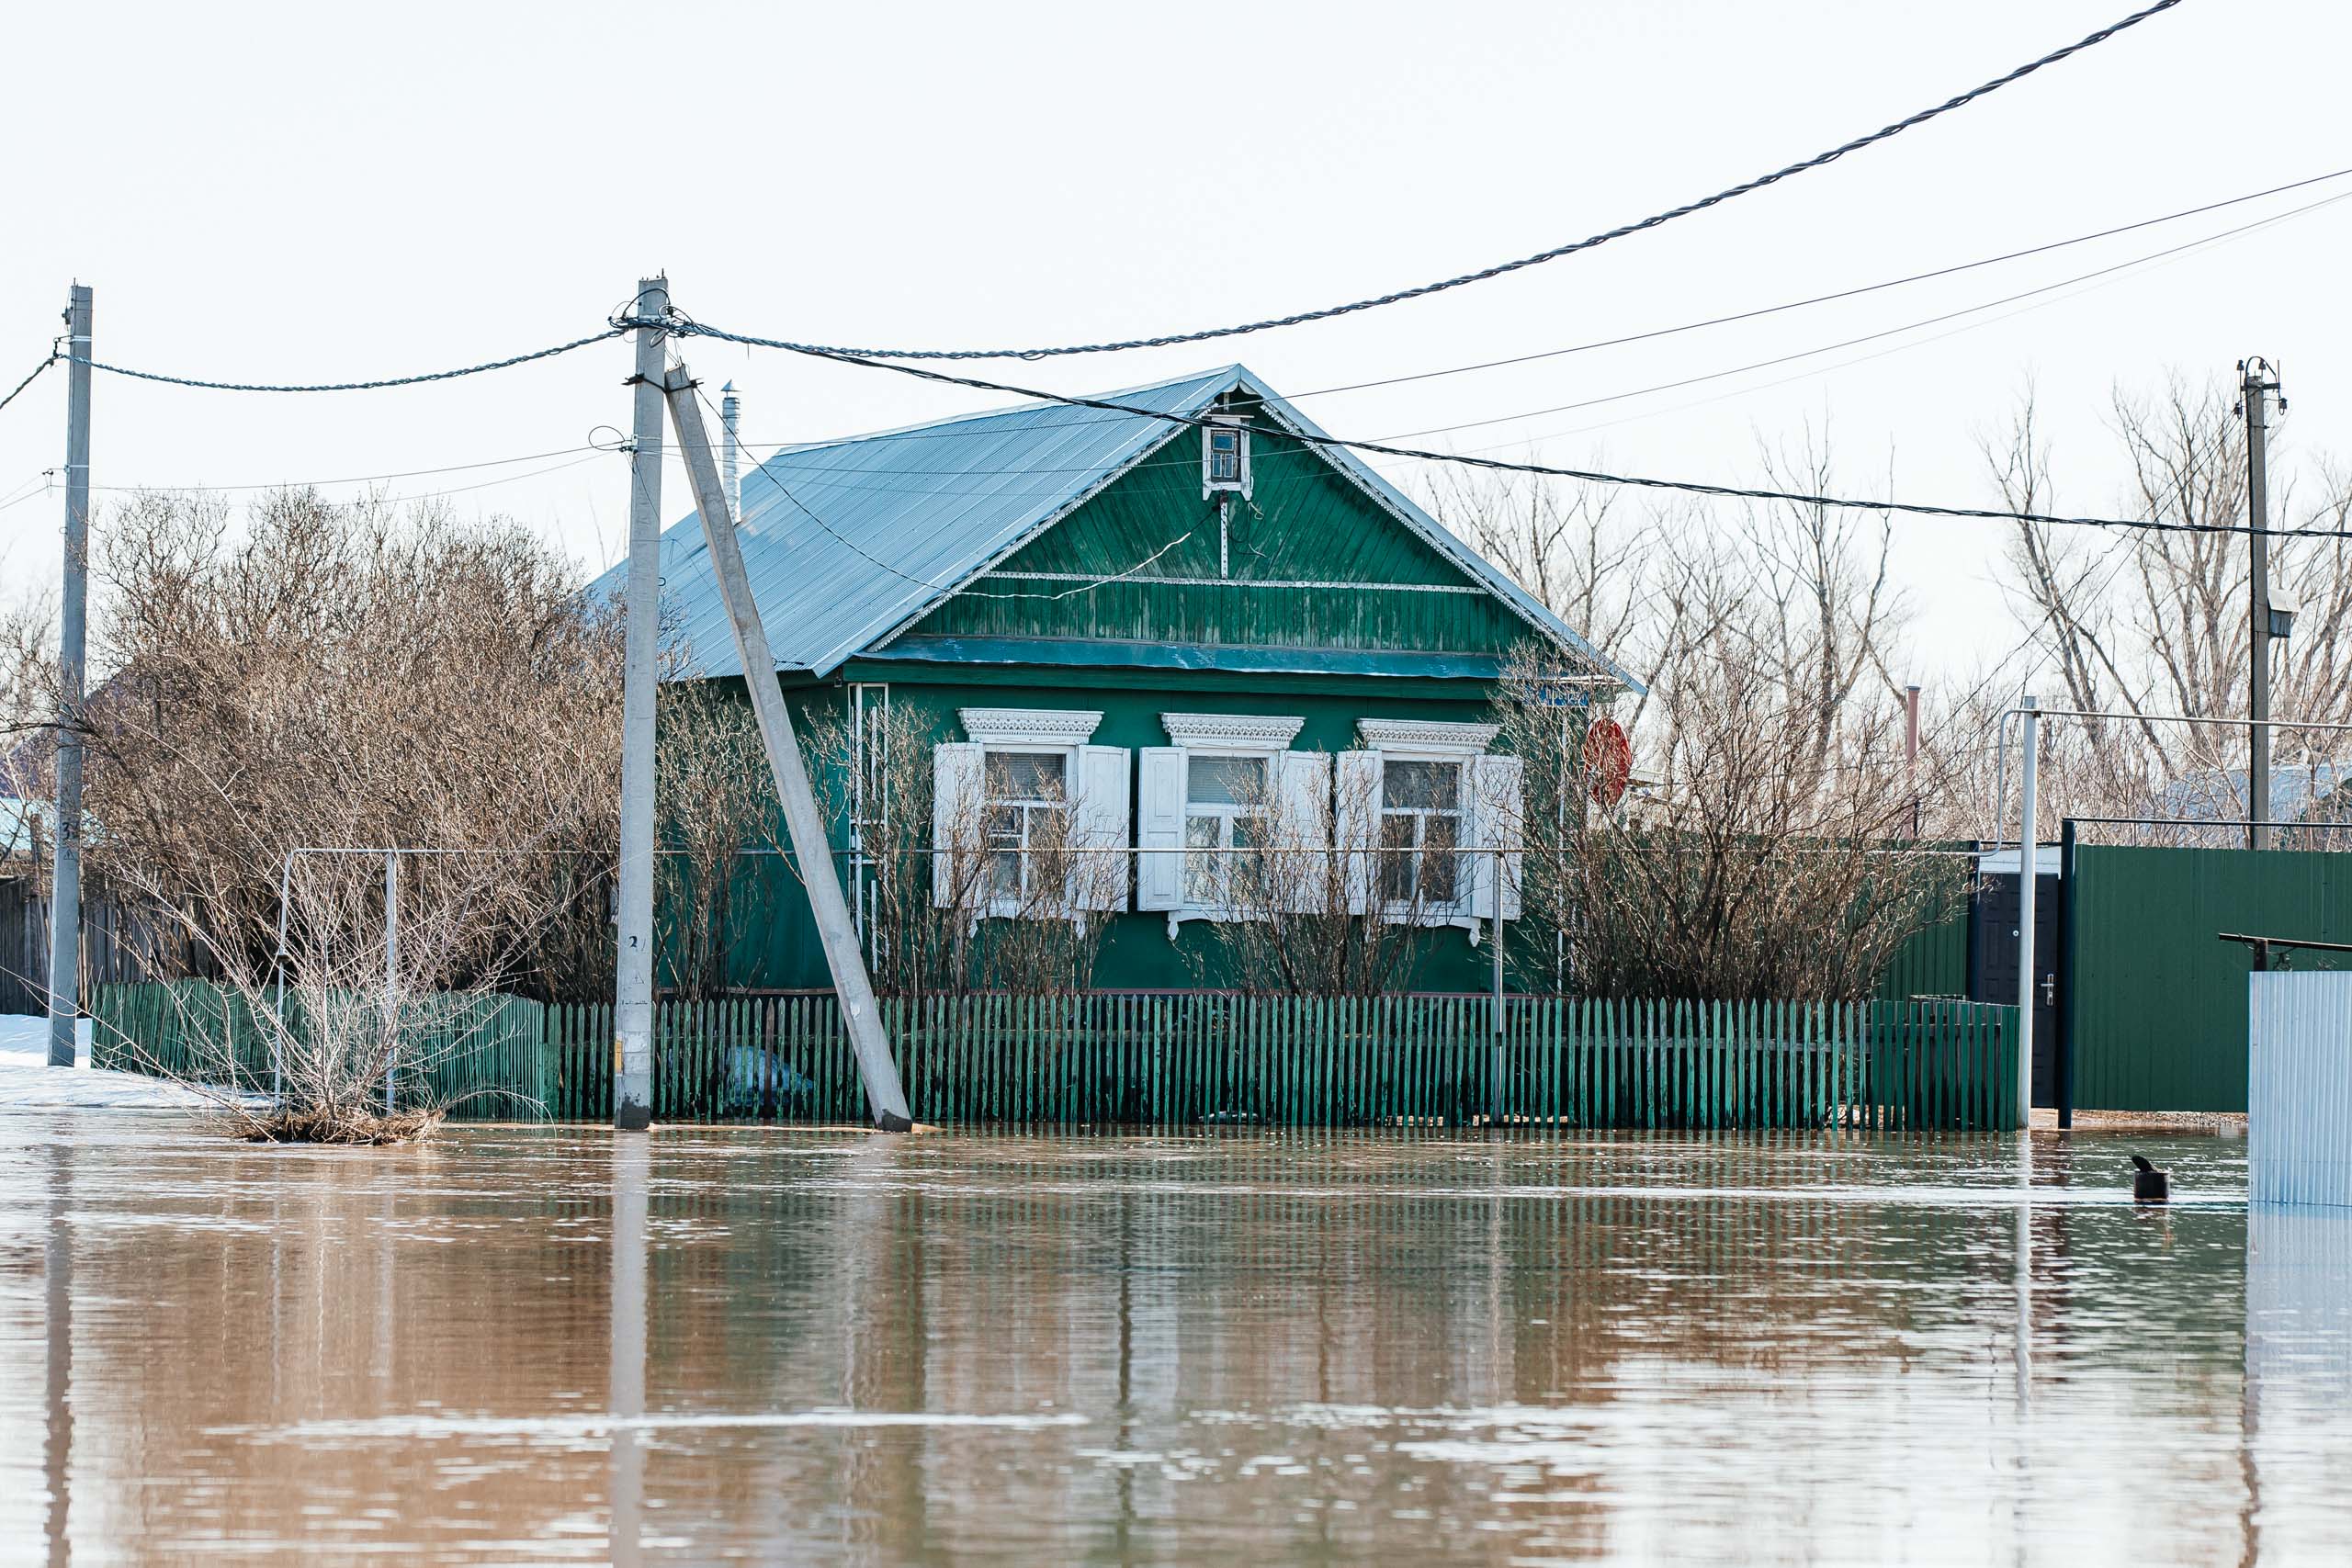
(2149, 1185)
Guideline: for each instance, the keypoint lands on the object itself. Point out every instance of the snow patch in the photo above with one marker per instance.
(28, 1083)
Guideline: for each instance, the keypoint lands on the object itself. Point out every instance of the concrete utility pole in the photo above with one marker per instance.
(65, 833)
(2257, 380)
(633, 974)
(801, 816)
(2028, 884)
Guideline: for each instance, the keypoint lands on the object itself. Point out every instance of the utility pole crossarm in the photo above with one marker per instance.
(804, 822)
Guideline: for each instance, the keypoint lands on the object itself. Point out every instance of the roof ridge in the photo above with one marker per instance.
(1221, 375)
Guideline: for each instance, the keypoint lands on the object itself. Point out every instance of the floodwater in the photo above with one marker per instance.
(539, 1346)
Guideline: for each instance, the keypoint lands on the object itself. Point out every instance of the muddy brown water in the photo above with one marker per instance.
(534, 1346)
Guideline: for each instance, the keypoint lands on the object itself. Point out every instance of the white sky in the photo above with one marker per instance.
(315, 192)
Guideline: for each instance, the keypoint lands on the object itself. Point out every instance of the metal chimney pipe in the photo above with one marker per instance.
(731, 411)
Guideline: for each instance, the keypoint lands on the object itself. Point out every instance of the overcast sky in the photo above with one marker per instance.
(323, 192)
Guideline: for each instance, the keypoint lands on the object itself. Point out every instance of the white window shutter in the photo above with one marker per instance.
(958, 772)
(1356, 818)
(1302, 792)
(1099, 825)
(1496, 819)
(1160, 828)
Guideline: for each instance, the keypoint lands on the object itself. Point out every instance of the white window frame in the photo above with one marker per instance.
(1431, 740)
(1261, 736)
(1212, 485)
(1058, 732)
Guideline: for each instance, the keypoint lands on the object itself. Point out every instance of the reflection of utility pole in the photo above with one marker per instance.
(625, 1390)
(2258, 380)
(58, 1263)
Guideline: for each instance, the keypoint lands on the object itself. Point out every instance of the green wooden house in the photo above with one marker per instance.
(1136, 619)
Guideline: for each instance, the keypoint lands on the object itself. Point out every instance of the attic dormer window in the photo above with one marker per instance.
(1225, 458)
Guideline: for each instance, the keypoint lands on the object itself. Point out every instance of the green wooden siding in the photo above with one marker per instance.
(772, 944)
(1305, 523)
(2157, 1005)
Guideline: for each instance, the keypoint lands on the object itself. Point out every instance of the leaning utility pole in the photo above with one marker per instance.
(2257, 380)
(65, 833)
(633, 974)
(802, 818)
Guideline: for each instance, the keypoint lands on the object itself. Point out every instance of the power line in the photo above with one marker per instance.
(1589, 476)
(926, 582)
(1824, 299)
(611, 331)
(2160, 257)
(1500, 268)
(29, 381)
(1888, 332)
(356, 479)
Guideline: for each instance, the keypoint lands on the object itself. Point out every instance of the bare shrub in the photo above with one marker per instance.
(352, 1035)
(1305, 911)
(1762, 864)
(717, 802)
(342, 675)
(943, 907)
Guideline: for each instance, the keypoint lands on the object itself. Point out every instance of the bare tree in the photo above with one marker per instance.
(347, 676)
(2153, 623)
(1759, 865)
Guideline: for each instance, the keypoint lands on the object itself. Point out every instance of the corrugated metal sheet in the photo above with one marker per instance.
(2298, 1095)
(849, 541)
(2156, 1003)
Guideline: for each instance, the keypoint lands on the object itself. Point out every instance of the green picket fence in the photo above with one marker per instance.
(1205, 1059)
(484, 1058)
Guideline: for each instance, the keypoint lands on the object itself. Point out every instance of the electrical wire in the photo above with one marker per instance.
(356, 479)
(611, 331)
(1589, 476)
(2152, 262)
(926, 582)
(29, 381)
(945, 428)
(1822, 298)
(1500, 268)
(1886, 333)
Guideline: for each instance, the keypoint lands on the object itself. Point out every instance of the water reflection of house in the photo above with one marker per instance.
(2309, 801)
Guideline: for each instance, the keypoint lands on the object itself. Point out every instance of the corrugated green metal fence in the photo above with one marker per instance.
(1205, 1059)
(2156, 1006)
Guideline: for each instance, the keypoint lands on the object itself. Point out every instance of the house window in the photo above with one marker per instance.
(1026, 818)
(1029, 816)
(1420, 831)
(1224, 798)
(1225, 459)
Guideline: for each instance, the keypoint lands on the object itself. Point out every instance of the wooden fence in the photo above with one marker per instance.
(122, 939)
(1205, 1059)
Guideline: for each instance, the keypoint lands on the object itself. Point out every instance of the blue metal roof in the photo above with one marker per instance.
(847, 542)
